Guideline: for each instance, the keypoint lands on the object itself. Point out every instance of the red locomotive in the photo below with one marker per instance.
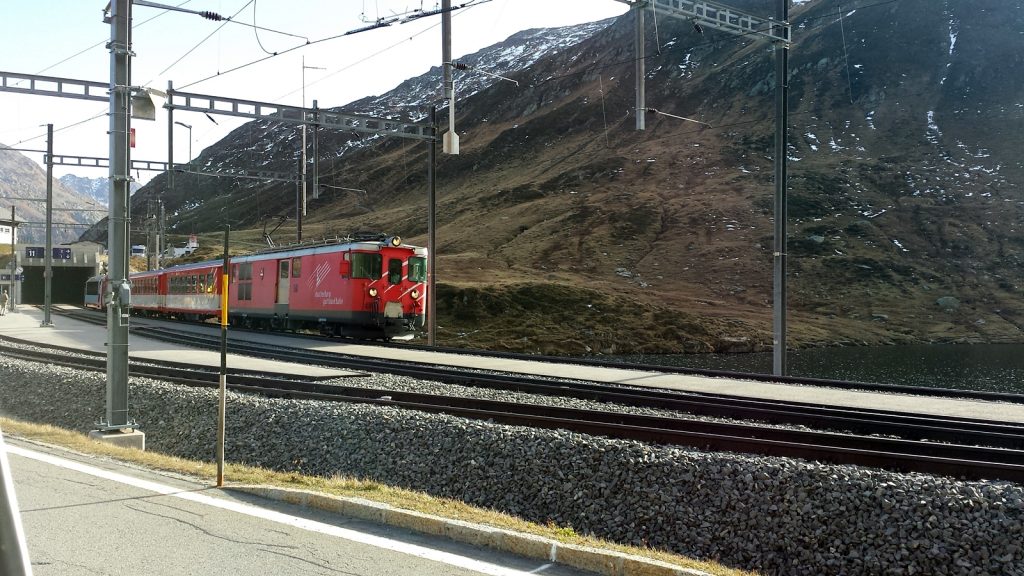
(366, 287)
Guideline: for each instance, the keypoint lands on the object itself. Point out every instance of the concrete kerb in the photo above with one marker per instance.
(603, 562)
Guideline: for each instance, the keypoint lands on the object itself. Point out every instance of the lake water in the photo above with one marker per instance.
(989, 367)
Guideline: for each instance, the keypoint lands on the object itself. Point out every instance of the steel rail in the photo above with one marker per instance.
(658, 368)
(878, 422)
(905, 455)
(916, 427)
(868, 422)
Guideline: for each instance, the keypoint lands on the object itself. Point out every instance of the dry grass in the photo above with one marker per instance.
(238, 474)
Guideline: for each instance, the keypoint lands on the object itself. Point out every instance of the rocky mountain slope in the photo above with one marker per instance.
(23, 184)
(563, 229)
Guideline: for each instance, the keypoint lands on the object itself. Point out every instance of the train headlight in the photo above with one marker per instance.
(415, 294)
(395, 240)
(373, 292)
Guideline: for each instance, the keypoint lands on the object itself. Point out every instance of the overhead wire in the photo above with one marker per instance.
(105, 40)
(364, 59)
(79, 53)
(201, 42)
(256, 32)
(734, 37)
(62, 128)
(464, 6)
(846, 57)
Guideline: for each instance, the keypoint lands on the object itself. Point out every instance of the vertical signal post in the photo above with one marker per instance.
(222, 397)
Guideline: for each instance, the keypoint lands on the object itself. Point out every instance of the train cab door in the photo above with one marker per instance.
(283, 282)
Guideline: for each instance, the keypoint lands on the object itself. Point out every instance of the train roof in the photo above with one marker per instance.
(323, 249)
(318, 247)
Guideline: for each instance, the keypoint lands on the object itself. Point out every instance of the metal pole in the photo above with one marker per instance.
(13, 304)
(13, 258)
(48, 258)
(639, 67)
(222, 399)
(302, 172)
(160, 225)
(431, 229)
(161, 235)
(781, 208)
(304, 130)
(298, 205)
(117, 236)
(14, 559)
(316, 150)
(446, 47)
(170, 176)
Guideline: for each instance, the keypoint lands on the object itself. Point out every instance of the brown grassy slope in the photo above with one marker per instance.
(669, 232)
(684, 233)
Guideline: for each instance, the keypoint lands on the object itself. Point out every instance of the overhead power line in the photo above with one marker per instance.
(470, 4)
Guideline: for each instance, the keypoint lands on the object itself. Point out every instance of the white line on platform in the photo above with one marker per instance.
(255, 511)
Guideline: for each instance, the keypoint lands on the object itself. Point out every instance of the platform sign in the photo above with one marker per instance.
(35, 252)
(7, 277)
(62, 253)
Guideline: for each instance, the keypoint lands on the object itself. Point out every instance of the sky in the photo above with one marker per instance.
(66, 38)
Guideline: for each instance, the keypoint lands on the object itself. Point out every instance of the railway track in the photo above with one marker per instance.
(1012, 398)
(1001, 456)
(859, 421)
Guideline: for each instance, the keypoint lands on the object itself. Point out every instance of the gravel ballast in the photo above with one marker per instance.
(774, 515)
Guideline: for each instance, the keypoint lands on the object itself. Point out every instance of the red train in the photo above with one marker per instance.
(367, 287)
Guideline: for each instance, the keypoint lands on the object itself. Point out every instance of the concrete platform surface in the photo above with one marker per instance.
(910, 404)
(75, 509)
(25, 325)
(907, 403)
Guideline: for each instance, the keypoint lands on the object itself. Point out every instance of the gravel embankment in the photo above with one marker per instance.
(774, 515)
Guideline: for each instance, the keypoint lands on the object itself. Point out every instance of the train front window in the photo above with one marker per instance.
(394, 271)
(417, 269)
(366, 265)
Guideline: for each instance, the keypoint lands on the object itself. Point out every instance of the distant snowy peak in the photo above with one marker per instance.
(517, 52)
(96, 188)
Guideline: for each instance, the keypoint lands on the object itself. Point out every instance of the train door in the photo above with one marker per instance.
(283, 285)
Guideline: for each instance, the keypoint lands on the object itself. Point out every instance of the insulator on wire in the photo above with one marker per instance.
(460, 66)
(211, 15)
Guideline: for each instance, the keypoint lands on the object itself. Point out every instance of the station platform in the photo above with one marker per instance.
(867, 400)
(258, 529)
(67, 332)
(25, 324)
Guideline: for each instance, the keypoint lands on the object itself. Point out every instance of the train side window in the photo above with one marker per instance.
(417, 269)
(283, 269)
(394, 271)
(296, 267)
(366, 265)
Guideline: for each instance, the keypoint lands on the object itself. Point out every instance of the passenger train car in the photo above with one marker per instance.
(369, 287)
